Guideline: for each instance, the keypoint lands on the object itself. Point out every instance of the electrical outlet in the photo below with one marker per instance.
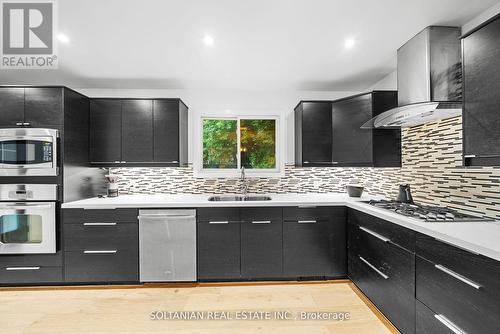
(316, 184)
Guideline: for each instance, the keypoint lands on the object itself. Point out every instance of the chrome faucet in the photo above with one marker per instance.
(244, 183)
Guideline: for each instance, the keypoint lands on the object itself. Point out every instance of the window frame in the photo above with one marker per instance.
(278, 171)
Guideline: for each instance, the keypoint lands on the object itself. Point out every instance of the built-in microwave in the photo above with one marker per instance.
(28, 151)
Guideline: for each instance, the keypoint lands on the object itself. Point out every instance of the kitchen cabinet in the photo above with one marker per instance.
(31, 106)
(328, 133)
(105, 131)
(313, 133)
(314, 243)
(138, 132)
(101, 245)
(261, 243)
(460, 287)
(218, 244)
(353, 146)
(16, 275)
(481, 82)
(383, 269)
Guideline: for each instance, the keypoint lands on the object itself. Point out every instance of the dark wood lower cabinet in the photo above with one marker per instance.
(427, 322)
(261, 243)
(383, 270)
(98, 266)
(30, 275)
(218, 250)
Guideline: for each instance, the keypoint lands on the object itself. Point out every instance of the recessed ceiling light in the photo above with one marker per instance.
(63, 38)
(208, 40)
(349, 43)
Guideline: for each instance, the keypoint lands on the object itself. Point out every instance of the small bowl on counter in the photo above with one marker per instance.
(354, 190)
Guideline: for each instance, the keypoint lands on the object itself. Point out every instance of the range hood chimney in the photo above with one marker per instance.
(429, 80)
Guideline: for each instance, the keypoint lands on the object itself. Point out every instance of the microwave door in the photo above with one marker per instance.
(27, 228)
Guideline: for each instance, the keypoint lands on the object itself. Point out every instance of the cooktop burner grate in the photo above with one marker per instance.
(428, 213)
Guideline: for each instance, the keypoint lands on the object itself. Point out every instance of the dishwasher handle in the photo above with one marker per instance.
(160, 216)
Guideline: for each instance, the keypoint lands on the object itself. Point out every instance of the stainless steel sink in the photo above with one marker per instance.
(237, 198)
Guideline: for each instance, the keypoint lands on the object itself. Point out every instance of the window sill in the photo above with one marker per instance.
(235, 173)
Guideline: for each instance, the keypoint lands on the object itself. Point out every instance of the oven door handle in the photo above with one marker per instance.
(38, 206)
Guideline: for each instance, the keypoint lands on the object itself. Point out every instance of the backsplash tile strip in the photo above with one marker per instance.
(431, 164)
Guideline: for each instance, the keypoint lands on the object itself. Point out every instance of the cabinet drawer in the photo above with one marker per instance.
(427, 322)
(386, 290)
(468, 302)
(86, 236)
(30, 275)
(79, 216)
(46, 260)
(294, 214)
(121, 266)
(218, 214)
(261, 214)
(397, 235)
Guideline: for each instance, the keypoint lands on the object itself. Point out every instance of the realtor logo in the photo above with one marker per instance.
(28, 34)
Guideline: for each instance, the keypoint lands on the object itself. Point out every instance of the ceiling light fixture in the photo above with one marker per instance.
(208, 40)
(63, 38)
(349, 43)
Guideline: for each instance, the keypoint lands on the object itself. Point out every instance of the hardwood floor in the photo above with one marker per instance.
(129, 310)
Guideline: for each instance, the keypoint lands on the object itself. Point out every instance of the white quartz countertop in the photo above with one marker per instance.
(478, 237)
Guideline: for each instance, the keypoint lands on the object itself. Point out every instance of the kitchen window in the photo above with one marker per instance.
(227, 144)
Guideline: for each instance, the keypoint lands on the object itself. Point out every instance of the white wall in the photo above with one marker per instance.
(204, 102)
(484, 16)
(389, 82)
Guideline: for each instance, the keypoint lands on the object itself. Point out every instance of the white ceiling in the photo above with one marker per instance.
(258, 44)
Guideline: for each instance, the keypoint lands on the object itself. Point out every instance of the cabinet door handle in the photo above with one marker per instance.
(373, 267)
(458, 276)
(26, 123)
(375, 234)
(448, 323)
(219, 222)
(307, 206)
(99, 224)
(261, 222)
(19, 123)
(22, 268)
(307, 221)
(100, 251)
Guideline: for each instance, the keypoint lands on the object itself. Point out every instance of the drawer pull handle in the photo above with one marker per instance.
(447, 322)
(99, 224)
(458, 276)
(307, 221)
(22, 268)
(261, 222)
(373, 267)
(100, 251)
(375, 234)
(307, 206)
(219, 222)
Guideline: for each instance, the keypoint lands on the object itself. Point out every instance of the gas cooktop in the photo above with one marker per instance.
(427, 213)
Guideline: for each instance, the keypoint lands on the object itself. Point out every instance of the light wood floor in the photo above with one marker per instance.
(128, 310)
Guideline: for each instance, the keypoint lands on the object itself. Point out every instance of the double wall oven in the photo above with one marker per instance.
(28, 218)
(28, 152)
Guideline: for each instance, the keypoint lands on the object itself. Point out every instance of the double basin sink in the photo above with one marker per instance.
(238, 198)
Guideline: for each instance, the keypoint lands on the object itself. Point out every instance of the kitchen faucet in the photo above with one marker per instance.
(244, 183)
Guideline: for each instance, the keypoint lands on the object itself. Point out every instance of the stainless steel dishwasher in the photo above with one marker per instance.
(167, 245)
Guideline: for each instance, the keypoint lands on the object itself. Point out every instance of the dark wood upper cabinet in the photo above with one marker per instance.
(138, 132)
(105, 131)
(137, 137)
(481, 116)
(313, 133)
(170, 131)
(31, 106)
(11, 106)
(328, 133)
(43, 106)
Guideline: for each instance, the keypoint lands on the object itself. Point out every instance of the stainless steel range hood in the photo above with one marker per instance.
(429, 80)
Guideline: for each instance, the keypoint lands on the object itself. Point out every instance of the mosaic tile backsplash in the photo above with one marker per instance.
(431, 165)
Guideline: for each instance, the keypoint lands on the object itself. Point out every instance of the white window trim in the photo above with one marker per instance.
(279, 171)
